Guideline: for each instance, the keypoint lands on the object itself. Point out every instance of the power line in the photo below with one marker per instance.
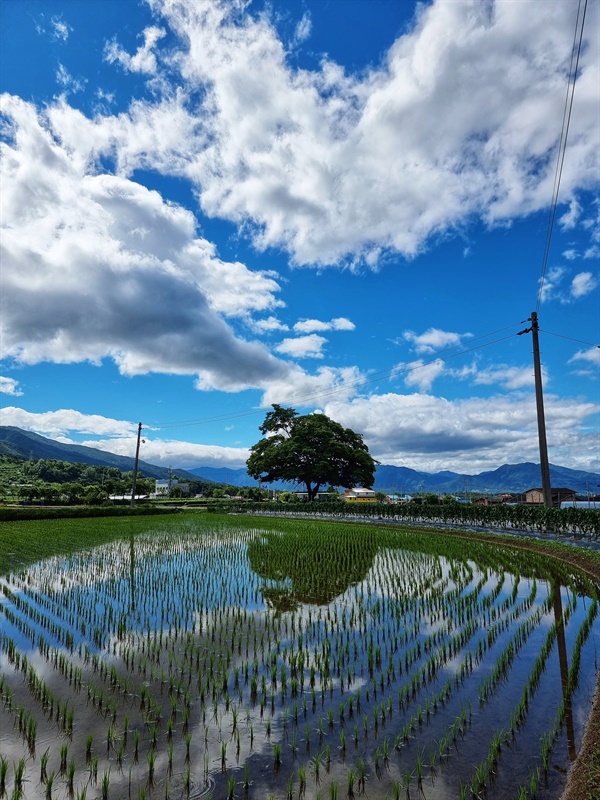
(569, 338)
(562, 146)
(387, 373)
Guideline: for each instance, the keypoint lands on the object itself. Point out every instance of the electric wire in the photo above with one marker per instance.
(562, 147)
(569, 338)
(390, 372)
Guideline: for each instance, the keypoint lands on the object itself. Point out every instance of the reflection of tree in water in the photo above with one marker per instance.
(309, 568)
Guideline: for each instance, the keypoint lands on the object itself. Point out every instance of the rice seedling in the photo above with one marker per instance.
(105, 784)
(406, 779)
(71, 775)
(419, 766)
(93, 769)
(49, 785)
(385, 749)
(64, 751)
(89, 741)
(301, 780)
(19, 775)
(351, 778)
(377, 759)
(3, 774)
(151, 758)
(533, 784)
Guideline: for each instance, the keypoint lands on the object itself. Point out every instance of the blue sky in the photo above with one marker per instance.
(340, 206)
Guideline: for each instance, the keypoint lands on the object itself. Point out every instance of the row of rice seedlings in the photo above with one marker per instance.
(19, 772)
(549, 738)
(26, 719)
(37, 686)
(54, 627)
(582, 635)
(505, 659)
(485, 771)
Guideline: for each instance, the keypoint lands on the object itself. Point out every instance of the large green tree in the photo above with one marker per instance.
(311, 450)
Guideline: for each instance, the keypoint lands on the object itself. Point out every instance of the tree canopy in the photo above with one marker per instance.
(311, 450)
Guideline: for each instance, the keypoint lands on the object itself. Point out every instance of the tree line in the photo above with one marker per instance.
(50, 480)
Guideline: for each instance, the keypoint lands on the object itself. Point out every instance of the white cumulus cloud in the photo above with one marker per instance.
(98, 266)
(312, 325)
(64, 422)
(310, 346)
(169, 452)
(431, 433)
(433, 340)
(9, 386)
(582, 284)
(60, 29)
(508, 377)
(421, 374)
(144, 59)
(592, 355)
(458, 120)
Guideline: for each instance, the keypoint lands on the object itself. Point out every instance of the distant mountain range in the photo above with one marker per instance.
(515, 478)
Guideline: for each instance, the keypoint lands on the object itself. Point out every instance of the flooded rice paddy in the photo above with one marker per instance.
(230, 658)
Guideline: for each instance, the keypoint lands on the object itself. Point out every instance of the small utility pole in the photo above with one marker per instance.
(135, 465)
(541, 420)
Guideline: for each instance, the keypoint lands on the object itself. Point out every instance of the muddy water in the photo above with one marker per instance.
(249, 663)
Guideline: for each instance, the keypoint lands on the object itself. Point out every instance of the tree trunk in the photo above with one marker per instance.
(312, 493)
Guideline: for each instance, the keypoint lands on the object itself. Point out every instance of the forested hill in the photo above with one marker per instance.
(25, 444)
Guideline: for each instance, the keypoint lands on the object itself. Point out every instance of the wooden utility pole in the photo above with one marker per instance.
(135, 465)
(541, 419)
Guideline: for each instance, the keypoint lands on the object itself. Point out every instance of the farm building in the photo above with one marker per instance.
(536, 496)
(358, 495)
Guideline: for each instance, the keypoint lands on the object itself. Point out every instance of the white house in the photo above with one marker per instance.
(359, 495)
(162, 487)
